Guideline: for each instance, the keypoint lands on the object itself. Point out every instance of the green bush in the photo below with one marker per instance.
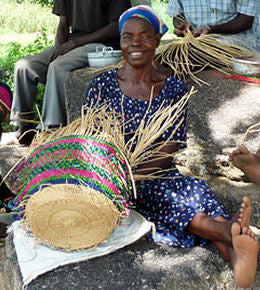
(15, 51)
(43, 2)
(160, 6)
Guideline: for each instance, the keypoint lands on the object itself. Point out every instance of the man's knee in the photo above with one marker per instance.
(26, 65)
(57, 68)
(22, 65)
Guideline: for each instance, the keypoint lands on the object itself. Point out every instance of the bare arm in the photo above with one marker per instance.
(163, 163)
(239, 24)
(62, 34)
(100, 35)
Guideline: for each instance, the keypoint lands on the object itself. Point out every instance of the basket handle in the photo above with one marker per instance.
(104, 49)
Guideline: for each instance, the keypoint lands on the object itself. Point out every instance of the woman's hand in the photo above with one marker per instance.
(63, 49)
(159, 162)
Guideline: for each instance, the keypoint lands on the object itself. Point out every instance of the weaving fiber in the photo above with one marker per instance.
(189, 55)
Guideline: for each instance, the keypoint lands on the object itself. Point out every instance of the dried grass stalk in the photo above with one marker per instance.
(97, 70)
(109, 126)
(252, 129)
(189, 55)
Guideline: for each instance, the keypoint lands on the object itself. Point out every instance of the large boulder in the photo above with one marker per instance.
(142, 265)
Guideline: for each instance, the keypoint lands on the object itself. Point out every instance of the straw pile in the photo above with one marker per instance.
(187, 56)
(109, 126)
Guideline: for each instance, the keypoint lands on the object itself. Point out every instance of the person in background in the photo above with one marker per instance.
(236, 21)
(83, 25)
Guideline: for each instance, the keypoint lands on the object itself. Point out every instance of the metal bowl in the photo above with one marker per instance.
(104, 56)
(247, 66)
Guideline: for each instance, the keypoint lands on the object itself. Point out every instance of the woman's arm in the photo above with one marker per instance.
(162, 163)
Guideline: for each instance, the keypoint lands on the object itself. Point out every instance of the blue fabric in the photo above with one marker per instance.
(215, 12)
(170, 202)
(144, 12)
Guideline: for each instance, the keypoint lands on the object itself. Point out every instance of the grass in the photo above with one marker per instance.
(26, 17)
(160, 8)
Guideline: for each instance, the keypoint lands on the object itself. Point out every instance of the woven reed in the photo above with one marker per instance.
(252, 129)
(189, 55)
(71, 217)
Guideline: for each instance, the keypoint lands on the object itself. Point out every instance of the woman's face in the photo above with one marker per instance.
(138, 42)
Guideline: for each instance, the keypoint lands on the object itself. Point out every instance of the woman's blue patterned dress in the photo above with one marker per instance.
(170, 203)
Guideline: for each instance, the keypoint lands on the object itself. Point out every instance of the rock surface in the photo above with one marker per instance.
(142, 265)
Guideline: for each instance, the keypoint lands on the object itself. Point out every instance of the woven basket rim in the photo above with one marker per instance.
(71, 217)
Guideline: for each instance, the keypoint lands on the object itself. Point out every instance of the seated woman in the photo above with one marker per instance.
(184, 209)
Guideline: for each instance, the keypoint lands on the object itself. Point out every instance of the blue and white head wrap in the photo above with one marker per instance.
(147, 13)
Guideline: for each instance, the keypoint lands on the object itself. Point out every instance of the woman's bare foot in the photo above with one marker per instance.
(245, 212)
(244, 261)
(248, 162)
(243, 215)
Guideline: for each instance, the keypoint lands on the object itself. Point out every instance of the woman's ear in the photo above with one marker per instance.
(158, 37)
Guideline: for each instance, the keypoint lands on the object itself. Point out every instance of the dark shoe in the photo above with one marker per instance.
(25, 133)
(3, 229)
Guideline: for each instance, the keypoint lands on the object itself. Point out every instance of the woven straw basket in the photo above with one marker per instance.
(71, 217)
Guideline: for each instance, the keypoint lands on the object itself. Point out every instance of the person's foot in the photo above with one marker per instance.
(245, 245)
(243, 215)
(245, 212)
(248, 162)
(26, 138)
(3, 229)
(19, 137)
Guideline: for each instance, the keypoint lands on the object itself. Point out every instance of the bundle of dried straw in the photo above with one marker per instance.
(109, 126)
(189, 55)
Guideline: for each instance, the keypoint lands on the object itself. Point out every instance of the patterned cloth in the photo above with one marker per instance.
(6, 97)
(216, 12)
(147, 13)
(170, 202)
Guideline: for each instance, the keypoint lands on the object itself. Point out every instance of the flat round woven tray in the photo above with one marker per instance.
(71, 217)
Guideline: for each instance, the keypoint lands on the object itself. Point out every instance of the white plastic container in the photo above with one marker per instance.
(104, 56)
(247, 66)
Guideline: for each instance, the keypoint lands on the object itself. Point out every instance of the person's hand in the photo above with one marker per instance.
(203, 30)
(181, 29)
(63, 49)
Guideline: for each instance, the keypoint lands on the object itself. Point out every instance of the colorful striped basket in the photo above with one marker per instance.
(75, 190)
